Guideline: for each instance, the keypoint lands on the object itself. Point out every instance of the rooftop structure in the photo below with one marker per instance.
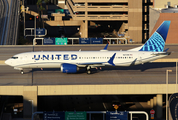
(161, 4)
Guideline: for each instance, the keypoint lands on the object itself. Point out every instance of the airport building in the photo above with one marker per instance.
(131, 19)
(134, 19)
(116, 18)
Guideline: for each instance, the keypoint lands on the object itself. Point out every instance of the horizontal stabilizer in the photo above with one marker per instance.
(162, 53)
(165, 50)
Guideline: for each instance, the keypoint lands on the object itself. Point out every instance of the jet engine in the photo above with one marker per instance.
(69, 68)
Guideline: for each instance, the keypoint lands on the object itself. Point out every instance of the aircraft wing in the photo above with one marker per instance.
(110, 61)
(96, 64)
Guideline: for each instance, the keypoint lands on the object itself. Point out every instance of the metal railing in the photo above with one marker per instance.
(76, 40)
(32, 32)
(101, 112)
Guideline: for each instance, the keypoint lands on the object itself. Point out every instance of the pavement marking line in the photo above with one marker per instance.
(2, 62)
(166, 60)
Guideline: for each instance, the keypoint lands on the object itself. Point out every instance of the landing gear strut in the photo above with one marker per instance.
(88, 70)
(21, 72)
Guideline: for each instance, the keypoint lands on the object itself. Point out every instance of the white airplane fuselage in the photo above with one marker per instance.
(54, 59)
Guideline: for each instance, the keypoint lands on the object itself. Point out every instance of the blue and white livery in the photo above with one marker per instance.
(71, 61)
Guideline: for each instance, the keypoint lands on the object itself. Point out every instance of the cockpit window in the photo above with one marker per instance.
(14, 57)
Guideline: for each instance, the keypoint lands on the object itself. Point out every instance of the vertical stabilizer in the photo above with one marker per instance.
(157, 41)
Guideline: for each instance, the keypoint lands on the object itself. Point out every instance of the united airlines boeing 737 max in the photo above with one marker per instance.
(71, 61)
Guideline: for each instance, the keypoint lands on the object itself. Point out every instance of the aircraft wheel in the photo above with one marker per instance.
(22, 72)
(88, 71)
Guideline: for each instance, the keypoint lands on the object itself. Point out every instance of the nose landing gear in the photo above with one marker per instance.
(88, 72)
(22, 72)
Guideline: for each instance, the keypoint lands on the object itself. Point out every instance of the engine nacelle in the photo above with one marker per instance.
(69, 68)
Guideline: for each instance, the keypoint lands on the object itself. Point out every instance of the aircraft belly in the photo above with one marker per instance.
(45, 65)
(22, 66)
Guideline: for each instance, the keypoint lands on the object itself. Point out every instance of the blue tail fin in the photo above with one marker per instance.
(157, 41)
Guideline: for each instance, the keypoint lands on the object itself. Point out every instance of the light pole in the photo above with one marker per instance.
(176, 76)
(35, 16)
(35, 26)
(23, 9)
(167, 92)
(23, 14)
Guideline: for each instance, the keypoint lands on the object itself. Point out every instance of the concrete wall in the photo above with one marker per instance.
(30, 93)
(135, 20)
(153, 17)
(115, 89)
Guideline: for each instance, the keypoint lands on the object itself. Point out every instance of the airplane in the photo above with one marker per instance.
(71, 61)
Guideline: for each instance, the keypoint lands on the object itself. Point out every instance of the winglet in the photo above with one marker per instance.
(112, 59)
(106, 47)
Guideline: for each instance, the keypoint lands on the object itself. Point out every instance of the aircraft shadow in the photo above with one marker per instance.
(141, 67)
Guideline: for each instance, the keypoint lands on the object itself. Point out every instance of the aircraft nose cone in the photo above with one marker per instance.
(7, 62)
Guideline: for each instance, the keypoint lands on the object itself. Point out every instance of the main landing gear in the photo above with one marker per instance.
(88, 70)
